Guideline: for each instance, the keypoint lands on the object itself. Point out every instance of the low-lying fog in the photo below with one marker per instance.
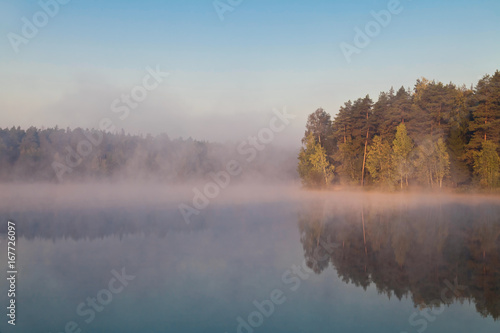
(201, 194)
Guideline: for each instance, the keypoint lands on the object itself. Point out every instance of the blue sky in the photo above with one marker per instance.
(227, 76)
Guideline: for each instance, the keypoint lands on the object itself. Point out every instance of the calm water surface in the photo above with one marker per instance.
(292, 266)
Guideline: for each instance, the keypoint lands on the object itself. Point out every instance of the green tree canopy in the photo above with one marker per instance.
(402, 147)
(487, 164)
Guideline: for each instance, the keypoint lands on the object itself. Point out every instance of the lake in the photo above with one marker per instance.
(301, 262)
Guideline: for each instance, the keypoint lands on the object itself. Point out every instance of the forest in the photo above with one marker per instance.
(434, 136)
(76, 155)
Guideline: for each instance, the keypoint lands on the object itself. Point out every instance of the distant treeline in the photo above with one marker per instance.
(435, 135)
(55, 154)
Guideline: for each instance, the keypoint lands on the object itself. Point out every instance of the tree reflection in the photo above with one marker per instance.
(89, 224)
(409, 251)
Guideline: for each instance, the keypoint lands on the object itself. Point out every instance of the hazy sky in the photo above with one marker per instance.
(227, 75)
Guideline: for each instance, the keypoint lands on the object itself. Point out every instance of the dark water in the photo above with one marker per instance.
(295, 266)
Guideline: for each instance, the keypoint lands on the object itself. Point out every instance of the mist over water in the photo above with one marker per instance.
(336, 256)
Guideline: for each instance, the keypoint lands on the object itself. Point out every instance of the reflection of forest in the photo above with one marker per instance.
(99, 223)
(410, 251)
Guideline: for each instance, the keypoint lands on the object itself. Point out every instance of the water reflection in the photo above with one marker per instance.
(201, 277)
(84, 224)
(407, 250)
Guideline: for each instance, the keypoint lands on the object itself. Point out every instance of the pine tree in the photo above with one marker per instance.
(381, 111)
(352, 134)
(343, 123)
(456, 142)
(485, 124)
(348, 161)
(362, 131)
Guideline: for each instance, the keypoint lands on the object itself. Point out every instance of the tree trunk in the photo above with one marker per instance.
(364, 158)
(485, 122)
(439, 116)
